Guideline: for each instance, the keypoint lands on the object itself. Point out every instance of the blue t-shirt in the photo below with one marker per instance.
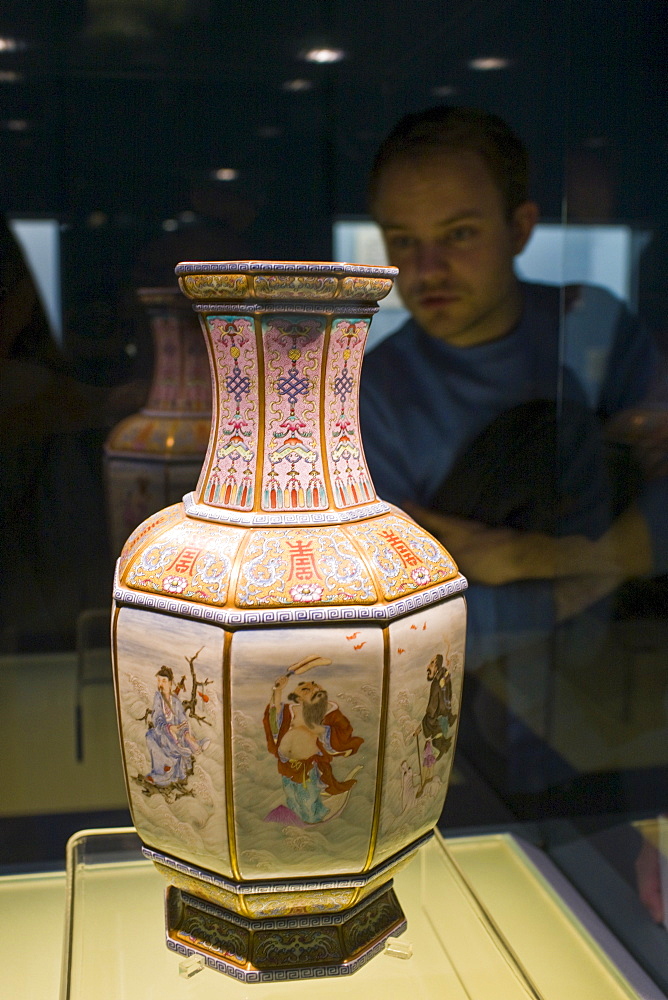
(424, 403)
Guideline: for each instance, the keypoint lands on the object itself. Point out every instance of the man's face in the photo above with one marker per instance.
(164, 686)
(446, 229)
(432, 669)
(309, 691)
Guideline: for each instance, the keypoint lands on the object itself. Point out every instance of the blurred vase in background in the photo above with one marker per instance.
(154, 456)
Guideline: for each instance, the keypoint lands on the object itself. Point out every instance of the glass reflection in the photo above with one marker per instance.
(131, 106)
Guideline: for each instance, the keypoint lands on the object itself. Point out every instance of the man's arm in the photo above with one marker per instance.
(583, 569)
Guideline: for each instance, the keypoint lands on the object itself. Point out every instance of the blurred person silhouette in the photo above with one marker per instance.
(478, 422)
(215, 227)
(53, 552)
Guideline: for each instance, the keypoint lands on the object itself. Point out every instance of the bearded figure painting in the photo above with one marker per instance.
(306, 732)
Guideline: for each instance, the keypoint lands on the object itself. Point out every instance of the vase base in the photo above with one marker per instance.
(302, 946)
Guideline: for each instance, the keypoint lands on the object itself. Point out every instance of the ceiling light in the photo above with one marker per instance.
(225, 174)
(170, 225)
(17, 125)
(489, 62)
(10, 76)
(323, 54)
(10, 44)
(444, 91)
(294, 86)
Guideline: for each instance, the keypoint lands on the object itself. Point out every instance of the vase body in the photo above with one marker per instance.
(153, 457)
(288, 648)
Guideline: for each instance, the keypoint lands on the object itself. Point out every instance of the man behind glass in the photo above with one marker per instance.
(470, 420)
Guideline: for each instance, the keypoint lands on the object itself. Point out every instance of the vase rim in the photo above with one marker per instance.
(297, 267)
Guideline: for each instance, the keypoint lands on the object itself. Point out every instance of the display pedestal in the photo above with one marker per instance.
(332, 944)
(483, 921)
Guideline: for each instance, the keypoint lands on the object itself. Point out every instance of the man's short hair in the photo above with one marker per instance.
(451, 129)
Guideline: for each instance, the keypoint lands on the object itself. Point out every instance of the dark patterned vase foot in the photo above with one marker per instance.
(286, 948)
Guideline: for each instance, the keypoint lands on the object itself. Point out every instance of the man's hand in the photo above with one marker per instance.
(492, 556)
(584, 569)
(277, 691)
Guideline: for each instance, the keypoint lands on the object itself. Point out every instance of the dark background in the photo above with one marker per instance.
(111, 109)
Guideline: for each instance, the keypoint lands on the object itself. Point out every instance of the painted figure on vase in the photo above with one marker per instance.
(170, 743)
(437, 720)
(305, 732)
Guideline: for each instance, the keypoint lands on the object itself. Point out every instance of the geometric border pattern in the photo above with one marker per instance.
(205, 513)
(284, 975)
(269, 616)
(326, 307)
(284, 267)
(285, 885)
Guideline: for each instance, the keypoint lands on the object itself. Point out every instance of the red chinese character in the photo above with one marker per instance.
(406, 554)
(302, 561)
(185, 560)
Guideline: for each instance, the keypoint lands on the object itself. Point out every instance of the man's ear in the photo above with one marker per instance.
(524, 219)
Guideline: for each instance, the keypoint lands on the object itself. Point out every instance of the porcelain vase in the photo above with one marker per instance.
(153, 457)
(288, 648)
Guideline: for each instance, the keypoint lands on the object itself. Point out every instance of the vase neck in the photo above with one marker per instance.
(181, 383)
(285, 436)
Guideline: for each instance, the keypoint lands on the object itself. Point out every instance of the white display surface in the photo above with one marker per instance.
(483, 922)
(32, 914)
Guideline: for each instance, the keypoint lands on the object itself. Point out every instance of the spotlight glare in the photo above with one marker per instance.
(486, 63)
(225, 174)
(297, 86)
(324, 55)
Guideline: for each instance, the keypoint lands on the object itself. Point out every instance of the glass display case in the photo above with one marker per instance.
(139, 133)
(486, 911)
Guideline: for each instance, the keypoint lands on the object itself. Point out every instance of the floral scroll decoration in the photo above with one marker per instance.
(289, 568)
(230, 481)
(365, 288)
(404, 557)
(215, 286)
(193, 563)
(350, 477)
(293, 467)
(290, 286)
